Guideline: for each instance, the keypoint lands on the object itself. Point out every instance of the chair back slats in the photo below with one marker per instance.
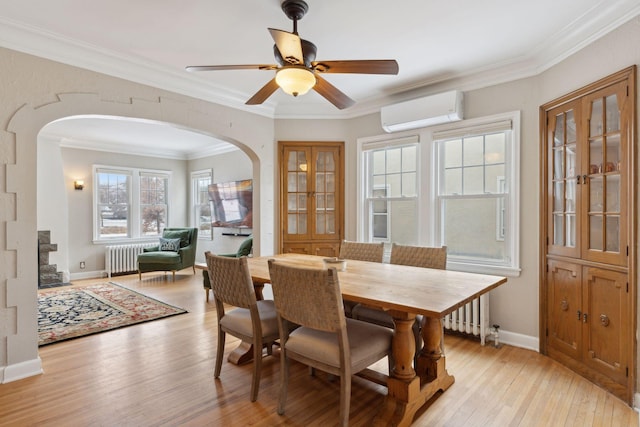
(307, 296)
(362, 251)
(419, 256)
(230, 280)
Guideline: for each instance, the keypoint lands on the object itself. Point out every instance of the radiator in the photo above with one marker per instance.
(472, 318)
(123, 258)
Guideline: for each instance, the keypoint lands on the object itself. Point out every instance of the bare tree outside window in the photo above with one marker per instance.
(153, 203)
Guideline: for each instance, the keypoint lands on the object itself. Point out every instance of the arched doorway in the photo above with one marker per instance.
(21, 347)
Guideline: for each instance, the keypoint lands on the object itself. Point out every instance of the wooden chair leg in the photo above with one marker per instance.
(206, 293)
(139, 275)
(284, 380)
(219, 353)
(345, 399)
(257, 368)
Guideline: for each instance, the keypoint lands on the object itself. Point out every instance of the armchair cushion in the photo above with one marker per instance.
(159, 257)
(169, 244)
(183, 235)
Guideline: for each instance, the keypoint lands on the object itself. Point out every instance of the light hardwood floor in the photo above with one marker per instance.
(161, 374)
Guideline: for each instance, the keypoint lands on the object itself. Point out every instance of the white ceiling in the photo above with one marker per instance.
(466, 43)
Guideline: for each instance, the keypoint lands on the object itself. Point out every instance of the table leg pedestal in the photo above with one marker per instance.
(241, 354)
(406, 395)
(244, 352)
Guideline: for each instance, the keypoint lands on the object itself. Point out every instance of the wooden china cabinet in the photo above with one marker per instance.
(312, 197)
(588, 216)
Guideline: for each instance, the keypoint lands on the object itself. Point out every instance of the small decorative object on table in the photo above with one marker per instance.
(338, 263)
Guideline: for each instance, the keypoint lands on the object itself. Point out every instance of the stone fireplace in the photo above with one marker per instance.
(48, 276)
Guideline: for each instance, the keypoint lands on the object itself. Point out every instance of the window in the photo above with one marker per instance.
(476, 195)
(153, 203)
(129, 203)
(200, 182)
(114, 202)
(391, 190)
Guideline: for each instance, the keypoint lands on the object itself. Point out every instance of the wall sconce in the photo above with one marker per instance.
(78, 184)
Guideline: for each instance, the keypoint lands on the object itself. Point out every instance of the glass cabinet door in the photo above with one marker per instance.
(604, 168)
(297, 190)
(564, 178)
(311, 183)
(324, 195)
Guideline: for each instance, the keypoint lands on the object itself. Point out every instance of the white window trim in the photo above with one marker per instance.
(475, 126)
(134, 203)
(372, 143)
(204, 173)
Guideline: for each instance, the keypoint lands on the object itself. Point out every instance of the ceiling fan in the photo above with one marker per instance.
(297, 71)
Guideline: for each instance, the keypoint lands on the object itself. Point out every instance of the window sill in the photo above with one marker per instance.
(496, 270)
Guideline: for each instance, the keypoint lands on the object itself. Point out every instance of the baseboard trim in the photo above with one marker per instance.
(517, 340)
(88, 275)
(21, 370)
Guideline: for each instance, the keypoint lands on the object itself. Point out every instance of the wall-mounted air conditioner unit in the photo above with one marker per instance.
(421, 112)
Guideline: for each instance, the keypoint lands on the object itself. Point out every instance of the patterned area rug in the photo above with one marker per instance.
(72, 312)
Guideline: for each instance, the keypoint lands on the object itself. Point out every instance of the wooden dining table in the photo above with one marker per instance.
(404, 292)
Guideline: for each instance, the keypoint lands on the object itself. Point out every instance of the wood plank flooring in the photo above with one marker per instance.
(161, 374)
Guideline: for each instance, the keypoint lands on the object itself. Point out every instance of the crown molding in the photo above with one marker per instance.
(591, 25)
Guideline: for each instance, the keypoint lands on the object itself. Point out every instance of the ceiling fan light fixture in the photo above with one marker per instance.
(295, 80)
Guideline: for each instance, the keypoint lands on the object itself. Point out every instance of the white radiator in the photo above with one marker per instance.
(123, 258)
(472, 318)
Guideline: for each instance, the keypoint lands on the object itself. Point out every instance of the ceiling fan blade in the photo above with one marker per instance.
(231, 67)
(289, 45)
(332, 93)
(264, 93)
(374, 66)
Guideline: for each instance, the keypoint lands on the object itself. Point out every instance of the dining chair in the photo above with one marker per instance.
(325, 338)
(251, 320)
(416, 256)
(360, 251)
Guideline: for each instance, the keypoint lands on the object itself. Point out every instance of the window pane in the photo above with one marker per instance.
(472, 228)
(494, 179)
(153, 208)
(453, 181)
(409, 184)
(113, 208)
(403, 222)
(409, 158)
(494, 148)
(394, 160)
(378, 162)
(473, 151)
(453, 153)
(394, 182)
(472, 180)
(202, 206)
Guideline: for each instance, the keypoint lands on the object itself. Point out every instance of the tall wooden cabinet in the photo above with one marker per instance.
(312, 197)
(588, 287)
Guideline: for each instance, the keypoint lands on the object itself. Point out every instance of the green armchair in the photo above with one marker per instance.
(243, 250)
(166, 259)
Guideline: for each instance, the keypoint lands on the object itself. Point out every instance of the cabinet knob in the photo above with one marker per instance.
(604, 320)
